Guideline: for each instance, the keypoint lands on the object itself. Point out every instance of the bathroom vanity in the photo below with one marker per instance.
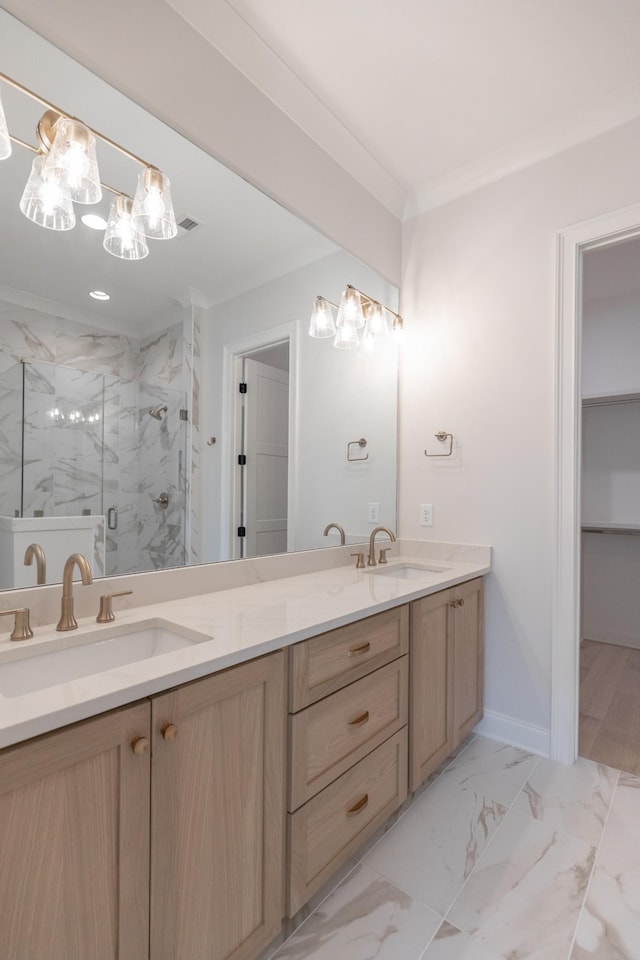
(230, 782)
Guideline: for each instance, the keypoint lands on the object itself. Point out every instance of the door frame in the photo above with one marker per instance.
(565, 637)
(231, 354)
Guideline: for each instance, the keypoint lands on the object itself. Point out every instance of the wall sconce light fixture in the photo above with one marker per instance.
(65, 171)
(356, 311)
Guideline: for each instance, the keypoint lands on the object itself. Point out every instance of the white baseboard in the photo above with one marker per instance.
(608, 636)
(496, 726)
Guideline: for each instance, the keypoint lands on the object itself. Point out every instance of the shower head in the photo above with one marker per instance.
(156, 412)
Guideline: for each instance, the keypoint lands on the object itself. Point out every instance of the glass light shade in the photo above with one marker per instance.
(350, 309)
(72, 160)
(47, 202)
(346, 337)
(5, 142)
(376, 327)
(398, 330)
(121, 238)
(152, 207)
(321, 324)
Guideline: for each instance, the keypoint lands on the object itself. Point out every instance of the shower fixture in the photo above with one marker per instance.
(156, 412)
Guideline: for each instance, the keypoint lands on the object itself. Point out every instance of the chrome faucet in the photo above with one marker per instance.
(35, 550)
(371, 562)
(335, 526)
(67, 620)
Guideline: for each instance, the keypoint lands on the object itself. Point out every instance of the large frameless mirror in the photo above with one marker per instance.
(189, 417)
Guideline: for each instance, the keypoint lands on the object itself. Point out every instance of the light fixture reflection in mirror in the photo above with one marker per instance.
(65, 171)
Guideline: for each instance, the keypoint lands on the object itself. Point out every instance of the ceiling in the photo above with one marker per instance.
(423, 100)
(245, 238)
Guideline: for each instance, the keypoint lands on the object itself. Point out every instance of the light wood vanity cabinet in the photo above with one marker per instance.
(447, 674)
(347, 744)
(74, 842)
(84, 858)
(158, 830)
(217, 814)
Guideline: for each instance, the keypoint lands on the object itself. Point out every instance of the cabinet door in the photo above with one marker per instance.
(468, 657)
(431, 685)
(74, 836)
(217, 814)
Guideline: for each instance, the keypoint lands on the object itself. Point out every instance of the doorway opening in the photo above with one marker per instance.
(609, 690)
(260, 462)
(573, 245)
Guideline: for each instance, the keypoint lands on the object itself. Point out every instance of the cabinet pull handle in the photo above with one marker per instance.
(356, 651)
(461, 602)
(139, 745)
(359, 806)
(359, 720)
(169, 731)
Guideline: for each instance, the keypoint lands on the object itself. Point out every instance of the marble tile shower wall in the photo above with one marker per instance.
(130, 453)
(10, 439)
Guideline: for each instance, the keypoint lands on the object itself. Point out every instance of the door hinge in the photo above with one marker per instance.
(242, 387)
(242, 459)
(242, 531)
(184, 415)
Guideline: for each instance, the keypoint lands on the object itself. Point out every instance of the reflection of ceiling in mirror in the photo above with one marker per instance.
(245, 238)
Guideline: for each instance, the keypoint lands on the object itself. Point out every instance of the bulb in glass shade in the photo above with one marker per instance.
(321, 324)
(350, 309)
(376, 328)
(5, 141)
(121, 238)
(72, 160)
(152, 206)
(346, 338)
(398, 330)
(47, 202)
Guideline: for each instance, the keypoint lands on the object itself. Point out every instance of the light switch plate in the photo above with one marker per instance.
(426, 514)
(373, 513)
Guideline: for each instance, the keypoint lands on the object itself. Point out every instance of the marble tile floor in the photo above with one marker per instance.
(504, 856)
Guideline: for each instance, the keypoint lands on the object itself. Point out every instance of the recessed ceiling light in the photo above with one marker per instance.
(93, 221)
(99, 295)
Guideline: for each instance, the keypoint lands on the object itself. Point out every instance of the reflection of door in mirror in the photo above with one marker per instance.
(263, 460)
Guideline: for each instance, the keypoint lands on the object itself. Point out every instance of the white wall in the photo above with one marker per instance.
(479, 299)
(610, 343)
(341, 396)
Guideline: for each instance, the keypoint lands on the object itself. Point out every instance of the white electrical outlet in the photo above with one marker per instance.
(426, 514)
(373, 514)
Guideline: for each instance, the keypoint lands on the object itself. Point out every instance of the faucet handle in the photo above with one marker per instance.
(21, 627)
(382, 558)
(359, 561)
(106, 614)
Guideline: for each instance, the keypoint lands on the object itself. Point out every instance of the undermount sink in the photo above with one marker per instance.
(408, 571)
(89, 654)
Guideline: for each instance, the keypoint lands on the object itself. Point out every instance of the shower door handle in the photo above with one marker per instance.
(112, 518)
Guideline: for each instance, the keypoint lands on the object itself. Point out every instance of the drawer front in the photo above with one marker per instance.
(327, 829)
(330, 736)
(324, 664)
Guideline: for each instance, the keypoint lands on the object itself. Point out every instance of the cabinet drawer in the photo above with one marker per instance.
(324, 664)
(330, 736)
(334, 823)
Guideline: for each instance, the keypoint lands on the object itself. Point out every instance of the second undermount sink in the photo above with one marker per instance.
(408, 571)
(91, 653)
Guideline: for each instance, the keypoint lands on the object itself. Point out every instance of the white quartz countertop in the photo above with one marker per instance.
(235, 625)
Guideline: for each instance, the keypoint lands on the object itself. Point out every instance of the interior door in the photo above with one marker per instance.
(266, 446)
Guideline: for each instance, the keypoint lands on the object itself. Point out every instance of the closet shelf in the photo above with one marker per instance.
(632, 529)
(597, 399)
